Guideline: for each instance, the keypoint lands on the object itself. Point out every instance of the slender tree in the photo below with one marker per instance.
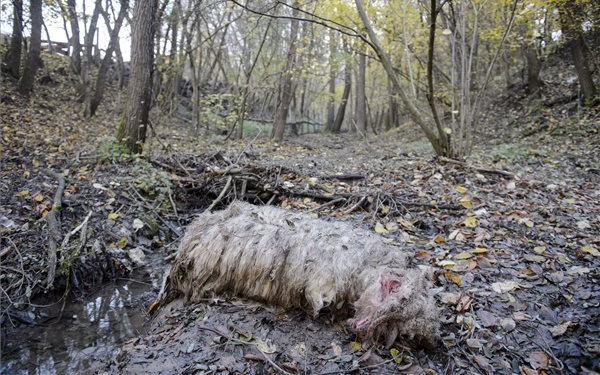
(341, 112)
(570, 20)
(33, 56)
(132, 132)
(95, 100)
(16, 41)
(286, 84)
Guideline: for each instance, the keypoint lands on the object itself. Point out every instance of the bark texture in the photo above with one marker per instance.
(33, 56)
(96, 99)
(16, 40)
(133, 134)
(286, 85)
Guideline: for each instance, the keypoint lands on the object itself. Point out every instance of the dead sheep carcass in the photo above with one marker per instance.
(292, 260)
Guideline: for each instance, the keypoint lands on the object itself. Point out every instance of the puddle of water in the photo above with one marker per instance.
(89, 330)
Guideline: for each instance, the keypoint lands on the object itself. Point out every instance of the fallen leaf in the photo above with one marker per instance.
(508, 324)
(463, 255)
(464, 303)
(113, 216)
(534, 258)
(521, 316)
(453, 277)
(560, 329)
(487, 318)
(590, 250)
(122, 242)
(446, 264)
(22, 193)
(539, 249)
(396, 355)
(538, 360)
(337, 350)
(470, 222)
(39, 198)
(480, 250)
(137, 224)
(474, 344)
(438, 239)
(504, 286)
(449, 298)
(466, 202)
(379, 228)
(484, 364)
(583, 224)
(265, 346)
(461, 189)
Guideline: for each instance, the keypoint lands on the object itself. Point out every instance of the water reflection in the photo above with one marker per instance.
(90, 330)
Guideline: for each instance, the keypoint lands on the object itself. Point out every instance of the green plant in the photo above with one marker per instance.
(150, 181)
(110, 150)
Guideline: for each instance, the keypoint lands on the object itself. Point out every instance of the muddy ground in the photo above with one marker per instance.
(513, 236)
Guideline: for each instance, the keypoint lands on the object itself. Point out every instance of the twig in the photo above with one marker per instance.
(330, 203)
(358, 204)
(228, 338)
(54, 225)
(221, 195)
(82, 227)
(479, 169)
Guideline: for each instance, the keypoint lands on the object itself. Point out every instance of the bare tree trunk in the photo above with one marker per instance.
(132, 132)
(242, 111)
(75, 43)
(534, 65)
(571, 26)
(33, 56)
(339, 118)
(85, 89)
(332, 71)
(361, 106)
(16, 40)
(107, 60)
(286, 85)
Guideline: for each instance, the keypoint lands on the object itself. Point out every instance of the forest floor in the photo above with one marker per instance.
(513, 235)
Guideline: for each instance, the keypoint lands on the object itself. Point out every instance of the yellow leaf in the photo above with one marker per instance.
(453, 277)
(590, 250)
(446, 264)
(38, 198)
(396, 355)
(470, 222)
(539, 249)
(391, 226)
(122, 242)
(356, 346)
(379, 228)
(406, 224)
(438, 239)
(461, 189)
(480, 250)
(113, 216)
(570, 200)
(464, 255)
(26, 174)
(466, 202)
(22, 193)
(36, 163)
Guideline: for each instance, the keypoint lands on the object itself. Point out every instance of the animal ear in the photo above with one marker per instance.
(388, 286)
